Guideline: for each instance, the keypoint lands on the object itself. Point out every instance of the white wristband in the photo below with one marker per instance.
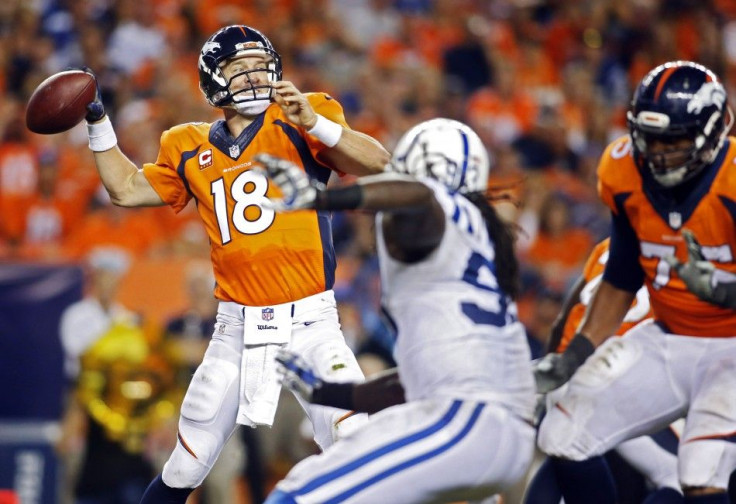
(101, 135)
(326, 131)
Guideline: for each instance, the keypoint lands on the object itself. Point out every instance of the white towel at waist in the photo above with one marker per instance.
(265, 330)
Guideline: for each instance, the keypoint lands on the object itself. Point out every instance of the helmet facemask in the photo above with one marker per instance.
(223, 47)
(253, 98)
(688, 149)
(678, 121)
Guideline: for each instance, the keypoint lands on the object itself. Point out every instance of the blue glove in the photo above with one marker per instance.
(296, 375)
(95, 109)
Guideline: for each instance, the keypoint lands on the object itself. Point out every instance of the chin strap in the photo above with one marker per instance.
(253, 107)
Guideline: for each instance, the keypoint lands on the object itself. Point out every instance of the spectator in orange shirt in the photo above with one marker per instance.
(502, 112)
(559, 250)
(136, 232)
(18, 176)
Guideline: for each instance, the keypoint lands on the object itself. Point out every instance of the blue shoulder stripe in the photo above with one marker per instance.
(186, 156)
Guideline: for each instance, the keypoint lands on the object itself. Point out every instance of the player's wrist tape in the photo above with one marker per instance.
(337, 395)
(579, 349)
(339, 198)
(101, 135)
(326, 131)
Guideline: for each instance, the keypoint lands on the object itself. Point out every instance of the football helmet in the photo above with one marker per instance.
(677, 101)
(445, 150)
(234, 41)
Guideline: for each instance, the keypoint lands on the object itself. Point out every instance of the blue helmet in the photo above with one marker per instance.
(678, 100)
(229, 42)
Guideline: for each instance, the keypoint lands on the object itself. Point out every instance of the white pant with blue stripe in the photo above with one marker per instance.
(434, 450)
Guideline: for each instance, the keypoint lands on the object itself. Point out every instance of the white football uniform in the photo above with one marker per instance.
(464, 362)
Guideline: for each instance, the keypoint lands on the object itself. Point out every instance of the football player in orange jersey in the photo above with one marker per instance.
(273, 274)
(653, 456)
(673, 172)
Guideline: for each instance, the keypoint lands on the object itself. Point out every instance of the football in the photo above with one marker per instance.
(60, 102)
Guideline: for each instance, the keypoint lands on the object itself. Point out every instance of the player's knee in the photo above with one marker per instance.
(183, 470)
(280, 497)
(705, 465)
(559, 436)
(207, 390)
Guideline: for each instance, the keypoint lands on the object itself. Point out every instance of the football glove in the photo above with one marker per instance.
(95, 109)
(702, 278)
(297, 189)
(296, 374)
(555, 369)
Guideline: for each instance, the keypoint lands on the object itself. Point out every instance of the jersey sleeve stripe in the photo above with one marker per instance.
(311, 166)
(328, 249)
(186, 156)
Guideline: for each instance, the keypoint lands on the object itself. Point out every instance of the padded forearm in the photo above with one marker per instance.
(379, 393)
(340, 198)
(368, 397)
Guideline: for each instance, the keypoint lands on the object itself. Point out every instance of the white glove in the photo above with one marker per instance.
(297, 189)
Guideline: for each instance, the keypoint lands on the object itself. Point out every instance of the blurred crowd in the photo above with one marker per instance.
(545, 83)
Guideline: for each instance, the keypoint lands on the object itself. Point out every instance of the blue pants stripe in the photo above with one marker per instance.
(409, 463)
(391, 447)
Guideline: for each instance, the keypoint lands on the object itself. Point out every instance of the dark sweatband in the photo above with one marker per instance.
(337, 395)
(339, 198)
(580, 348)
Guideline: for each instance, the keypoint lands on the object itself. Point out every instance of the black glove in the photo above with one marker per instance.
(95, 109)
(554, 369)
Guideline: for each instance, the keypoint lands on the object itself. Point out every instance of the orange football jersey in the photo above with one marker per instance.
(259, 257)
(593, 274)
(708, 210)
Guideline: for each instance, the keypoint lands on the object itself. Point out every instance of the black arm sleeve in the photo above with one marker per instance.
(371, 396)
(623, 269)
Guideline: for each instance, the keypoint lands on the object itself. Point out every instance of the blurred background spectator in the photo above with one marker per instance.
(546, 84)
(120, 391)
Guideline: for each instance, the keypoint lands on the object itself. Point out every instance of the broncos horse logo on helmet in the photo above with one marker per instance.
(229, 42)
(678, 100)
(445, 150)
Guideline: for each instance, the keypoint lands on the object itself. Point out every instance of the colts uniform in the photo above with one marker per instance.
(465, 366)
(274, 278)
(679, 363)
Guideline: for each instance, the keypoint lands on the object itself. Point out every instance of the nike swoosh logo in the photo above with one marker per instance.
(310, 322)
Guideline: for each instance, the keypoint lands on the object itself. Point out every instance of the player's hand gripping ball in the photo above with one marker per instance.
(60, 102)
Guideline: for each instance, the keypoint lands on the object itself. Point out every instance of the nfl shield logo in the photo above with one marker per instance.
(675, 219)
(234, 151)
(267, 313)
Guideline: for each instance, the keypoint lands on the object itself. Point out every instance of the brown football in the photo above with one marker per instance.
(60, 102)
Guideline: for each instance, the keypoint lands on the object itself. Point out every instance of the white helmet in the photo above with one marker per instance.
(445, 150)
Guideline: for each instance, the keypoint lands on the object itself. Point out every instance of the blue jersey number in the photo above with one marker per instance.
(481, 274)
